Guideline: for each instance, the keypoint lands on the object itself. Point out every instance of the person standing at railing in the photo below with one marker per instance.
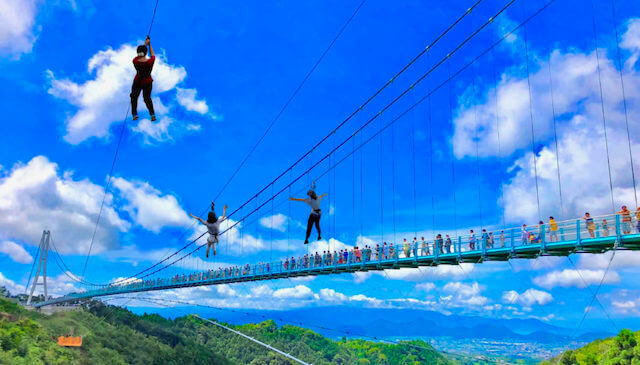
(553, 229)
(605, 228)
(540, 231)
(591, 226)
(485, 238)
(406, 248)
(626, 219)
(525, 235)
(447, 244)
(502, 238)
(440, 243)
(472, 240)
(490, 240)
(392, 251)
(424, 246)
(385, 251)
(638, 219)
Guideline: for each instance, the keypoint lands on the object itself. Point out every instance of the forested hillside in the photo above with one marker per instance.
(622, 349)
(113, 335)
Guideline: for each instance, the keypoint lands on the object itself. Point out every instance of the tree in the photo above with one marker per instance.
(568, 358)
(624, 349)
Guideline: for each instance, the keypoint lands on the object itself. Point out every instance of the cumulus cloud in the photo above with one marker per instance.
(276, 222)
(187, 98)
(16, 252)
(34, 197)
(581, 144)
(102, 100)
(425, 286)
(568, 278)
(527, 298)
(464, 295)
(297, 292)
(17, 20)
(148, 207)
(56, 285)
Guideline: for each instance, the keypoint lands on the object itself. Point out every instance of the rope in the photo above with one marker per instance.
(555, 138)
(475, 91)
(106, 188)
(453, 159)
(253, 340)
(308, 153)
(283, 320)
(33, 266)
(533, 137)
(284, 107)
(113, 163)
(501, 164)
(624, 100)
(540, 10)
(604, 119)
(393, 179)
(413, 160)
(153, 17)
(595, 294)
(613, 323)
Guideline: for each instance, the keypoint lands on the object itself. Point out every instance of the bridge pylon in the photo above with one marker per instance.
(42, 266)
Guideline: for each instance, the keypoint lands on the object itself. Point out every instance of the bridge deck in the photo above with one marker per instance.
(568, 241)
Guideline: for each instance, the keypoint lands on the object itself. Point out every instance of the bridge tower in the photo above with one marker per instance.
(42, 264)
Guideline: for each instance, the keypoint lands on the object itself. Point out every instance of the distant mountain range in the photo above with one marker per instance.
(390, 323)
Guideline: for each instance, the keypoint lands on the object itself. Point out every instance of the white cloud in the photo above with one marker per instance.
(528, 298)
(568, 278)
(425, 286)
(464, 295)
(34, 197)
(17, 20)
(276, 222)
(187, 98)
(148, 207)
(11, 285)
(623, 259)
(16, 252)
(331, 295)
(297, 292)
(428, 273)
(576, 97)
(631, 41)
(101, 101)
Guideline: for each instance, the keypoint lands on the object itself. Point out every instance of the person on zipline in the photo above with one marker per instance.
(213, 227)
(314, 218)
(143, 81)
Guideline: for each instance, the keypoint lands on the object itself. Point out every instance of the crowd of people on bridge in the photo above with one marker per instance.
(548, 232)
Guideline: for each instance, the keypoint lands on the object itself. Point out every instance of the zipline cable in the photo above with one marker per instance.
(604, 119)
(304, 325)
(455, 50)
(533, 136)
(308, 153)
(540, 10)
(284, 107)
(113, 163)
(624, 100)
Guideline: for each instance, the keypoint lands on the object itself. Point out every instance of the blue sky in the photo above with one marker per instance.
(225, 71)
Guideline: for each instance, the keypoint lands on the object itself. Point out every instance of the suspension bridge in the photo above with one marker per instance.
(595, 235)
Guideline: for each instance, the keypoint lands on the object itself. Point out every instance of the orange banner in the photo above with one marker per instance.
(70, 341)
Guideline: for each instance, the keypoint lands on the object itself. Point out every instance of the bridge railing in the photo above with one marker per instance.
(573, 232)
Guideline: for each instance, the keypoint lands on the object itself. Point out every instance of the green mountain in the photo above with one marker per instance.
(112, 335)
(622, 349)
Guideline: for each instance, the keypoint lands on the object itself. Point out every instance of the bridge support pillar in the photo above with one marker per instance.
(42, 265)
